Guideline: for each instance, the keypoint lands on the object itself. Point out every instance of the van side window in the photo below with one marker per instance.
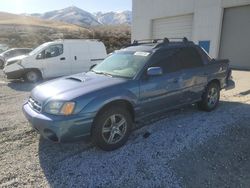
(51, 51)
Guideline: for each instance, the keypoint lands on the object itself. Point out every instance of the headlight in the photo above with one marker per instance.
(60, 108)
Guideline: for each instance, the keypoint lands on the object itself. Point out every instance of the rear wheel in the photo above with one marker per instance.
(33, 76)
(210, 97)
(111, 128)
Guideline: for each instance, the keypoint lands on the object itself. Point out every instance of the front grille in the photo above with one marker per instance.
(35, 104)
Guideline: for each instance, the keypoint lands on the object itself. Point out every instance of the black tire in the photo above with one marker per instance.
(33, 76)
(103, 128)
(210, 97)
(1, 64)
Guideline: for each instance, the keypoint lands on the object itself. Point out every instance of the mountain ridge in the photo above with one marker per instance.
(78, 16)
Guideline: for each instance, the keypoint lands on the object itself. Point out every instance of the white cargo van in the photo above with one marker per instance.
(57, 58)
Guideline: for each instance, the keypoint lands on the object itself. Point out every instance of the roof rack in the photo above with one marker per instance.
(158, 42)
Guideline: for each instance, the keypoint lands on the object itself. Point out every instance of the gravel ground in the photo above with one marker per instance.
(182, 148)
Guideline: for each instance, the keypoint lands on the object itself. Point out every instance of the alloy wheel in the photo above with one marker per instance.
(114, 128)
(212, 97)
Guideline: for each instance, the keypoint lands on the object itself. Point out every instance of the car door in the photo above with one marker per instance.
(194, 74)
(54, 61)
(162, 92)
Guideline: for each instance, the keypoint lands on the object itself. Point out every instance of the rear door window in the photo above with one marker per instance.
(189, 58)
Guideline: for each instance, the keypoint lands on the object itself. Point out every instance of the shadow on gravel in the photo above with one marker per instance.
(52, 154)
(222, 161)
(20, 85)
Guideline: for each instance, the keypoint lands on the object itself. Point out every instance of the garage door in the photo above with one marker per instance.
(179, 26)
(235, 38)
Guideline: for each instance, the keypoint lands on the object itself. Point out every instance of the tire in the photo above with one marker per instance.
(111, 128)
(1, 64)
(210, 98)
(33, 76)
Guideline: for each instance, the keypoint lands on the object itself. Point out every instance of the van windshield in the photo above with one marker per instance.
(37, 49)
(122, 64)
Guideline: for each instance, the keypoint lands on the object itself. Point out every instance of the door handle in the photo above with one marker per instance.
(75, 58)
(62, 58)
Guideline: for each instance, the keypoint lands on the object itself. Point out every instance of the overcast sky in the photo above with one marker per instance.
(41, 6)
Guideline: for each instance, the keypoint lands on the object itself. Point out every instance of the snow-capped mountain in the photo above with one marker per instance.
(111, 18)
(72, 15)
(75, 15)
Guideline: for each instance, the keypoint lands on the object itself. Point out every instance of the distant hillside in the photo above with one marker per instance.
(114, 36)
(27, 31)
(13, 19)
(75, 15)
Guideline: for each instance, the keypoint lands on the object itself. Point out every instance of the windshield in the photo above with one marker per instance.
(7, 53)
(37, 49)
(122, 64)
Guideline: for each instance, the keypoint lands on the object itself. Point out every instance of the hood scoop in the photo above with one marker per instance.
(78, 78)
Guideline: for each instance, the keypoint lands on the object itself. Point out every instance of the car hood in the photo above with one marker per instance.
(71, 87)
(16, 58)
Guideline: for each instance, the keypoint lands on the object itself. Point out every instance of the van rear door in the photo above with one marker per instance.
(80, 55)
(97, 52)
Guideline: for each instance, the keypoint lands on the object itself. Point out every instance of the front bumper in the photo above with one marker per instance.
(230, 84)
(14, 74)
(60, 128)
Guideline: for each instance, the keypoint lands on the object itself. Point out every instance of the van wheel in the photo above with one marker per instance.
(210, 97)
(33, 76)
(112, 128)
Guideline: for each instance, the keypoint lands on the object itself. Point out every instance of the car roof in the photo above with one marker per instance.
(12, 49)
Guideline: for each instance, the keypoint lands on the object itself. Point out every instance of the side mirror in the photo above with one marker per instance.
(92, 66)
(154, 71)
(39, 56)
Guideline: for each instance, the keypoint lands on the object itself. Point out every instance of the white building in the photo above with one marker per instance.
(222, 27)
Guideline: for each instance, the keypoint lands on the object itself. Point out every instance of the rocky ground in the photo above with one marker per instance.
(182, 148)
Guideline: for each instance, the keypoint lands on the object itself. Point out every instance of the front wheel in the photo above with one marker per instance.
(33, 76)
(111, 128)
(210, 97)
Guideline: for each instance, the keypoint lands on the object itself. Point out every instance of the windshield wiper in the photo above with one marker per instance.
(103, 73)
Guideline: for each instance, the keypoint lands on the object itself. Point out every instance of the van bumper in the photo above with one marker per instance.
(60, 128)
